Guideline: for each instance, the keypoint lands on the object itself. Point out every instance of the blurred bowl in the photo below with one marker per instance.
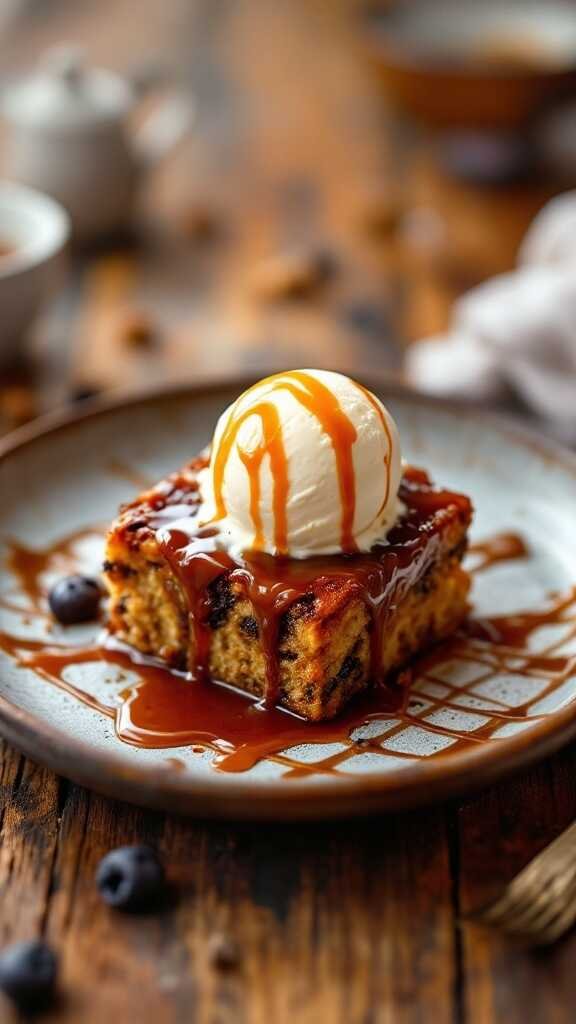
(487, 65)
(34, 230)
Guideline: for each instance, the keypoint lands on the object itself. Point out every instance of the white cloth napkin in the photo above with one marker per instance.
(516, 332)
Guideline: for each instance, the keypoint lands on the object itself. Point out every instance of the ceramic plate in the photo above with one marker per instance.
(68, 474)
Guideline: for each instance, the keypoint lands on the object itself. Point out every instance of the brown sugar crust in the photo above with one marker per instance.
(324, 636)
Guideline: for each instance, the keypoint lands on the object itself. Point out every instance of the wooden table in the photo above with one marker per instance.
(351, 922)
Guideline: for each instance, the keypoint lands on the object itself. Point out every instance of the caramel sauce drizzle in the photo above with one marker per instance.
(503, 547)
(273, 446)
(321, 403)
(29, 566)
(379, 578)
(162, 709)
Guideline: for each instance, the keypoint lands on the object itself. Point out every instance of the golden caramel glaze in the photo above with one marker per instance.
(178, 594)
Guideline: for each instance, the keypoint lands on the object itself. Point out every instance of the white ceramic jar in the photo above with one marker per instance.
(70, 136)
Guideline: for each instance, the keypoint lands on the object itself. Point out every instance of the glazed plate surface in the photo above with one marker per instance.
(69, 475)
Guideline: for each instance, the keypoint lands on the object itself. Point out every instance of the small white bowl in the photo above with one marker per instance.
(38, 229)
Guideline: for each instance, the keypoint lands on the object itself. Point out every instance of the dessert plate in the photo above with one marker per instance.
(487, 704)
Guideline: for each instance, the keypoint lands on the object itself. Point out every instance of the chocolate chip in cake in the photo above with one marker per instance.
(349, 670)
(301, 609)
(350, 665)
(118, 569)
(287, 655)
(249, 627)
(222, 600)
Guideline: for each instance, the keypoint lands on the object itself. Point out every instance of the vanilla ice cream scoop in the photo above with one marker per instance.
(304, 463)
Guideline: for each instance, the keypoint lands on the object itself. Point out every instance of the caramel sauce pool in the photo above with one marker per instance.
(163, 709)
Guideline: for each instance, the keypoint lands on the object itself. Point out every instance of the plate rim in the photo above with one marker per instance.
(280, 799)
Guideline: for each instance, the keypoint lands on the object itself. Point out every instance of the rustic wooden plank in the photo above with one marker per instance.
(349, 922)
(499, 832)
(318, 914)
(111, 963)
(29, 824)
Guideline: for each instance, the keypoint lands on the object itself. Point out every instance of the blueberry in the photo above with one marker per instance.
(131, 878)
(28, 973)
(75, 599)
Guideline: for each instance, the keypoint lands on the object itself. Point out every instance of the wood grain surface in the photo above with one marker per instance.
(293, 151)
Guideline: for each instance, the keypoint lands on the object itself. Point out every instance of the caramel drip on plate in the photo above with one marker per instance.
(320, 401)
(515, 630)
(503, 547)
(162, 709)
(197, 566)
(30, 566)
(51, 660)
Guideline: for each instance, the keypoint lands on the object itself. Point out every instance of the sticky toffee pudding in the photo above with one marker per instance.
(300, 562)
